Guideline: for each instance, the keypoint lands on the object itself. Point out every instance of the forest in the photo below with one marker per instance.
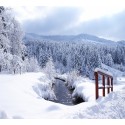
(83, 57)
(18, 55)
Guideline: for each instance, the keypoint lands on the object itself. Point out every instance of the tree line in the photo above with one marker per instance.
(83, 57)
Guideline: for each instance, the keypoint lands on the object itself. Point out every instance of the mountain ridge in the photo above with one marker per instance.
(69, 38)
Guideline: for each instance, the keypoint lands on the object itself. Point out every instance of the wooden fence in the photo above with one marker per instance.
(106, 83)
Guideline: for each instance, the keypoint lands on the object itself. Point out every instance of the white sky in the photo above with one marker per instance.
(89, 10)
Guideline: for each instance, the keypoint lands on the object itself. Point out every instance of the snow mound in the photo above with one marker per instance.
(84, 88)
(110, 107)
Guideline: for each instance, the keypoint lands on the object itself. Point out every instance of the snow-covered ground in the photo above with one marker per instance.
(21, 96)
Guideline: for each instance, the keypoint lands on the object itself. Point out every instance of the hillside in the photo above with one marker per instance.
(68, 38)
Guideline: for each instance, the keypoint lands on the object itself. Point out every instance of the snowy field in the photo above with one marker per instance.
(21, 96)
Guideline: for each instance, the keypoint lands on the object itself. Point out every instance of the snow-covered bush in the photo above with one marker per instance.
(45, 91)
(33, 65)
(71, 78)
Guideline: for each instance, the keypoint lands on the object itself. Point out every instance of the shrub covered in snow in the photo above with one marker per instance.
(45, 91)
(72, 77)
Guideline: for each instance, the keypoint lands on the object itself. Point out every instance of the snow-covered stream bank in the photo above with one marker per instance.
(19, 100)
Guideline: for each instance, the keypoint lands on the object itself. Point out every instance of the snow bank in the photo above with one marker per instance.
(85, 89)
(110, 107)
(17, 95)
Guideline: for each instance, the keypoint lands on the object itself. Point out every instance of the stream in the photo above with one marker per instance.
(63, 94)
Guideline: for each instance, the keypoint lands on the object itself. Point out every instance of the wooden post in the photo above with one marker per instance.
(96, 85)
(103, 83)
(112, 84)
(108, 83)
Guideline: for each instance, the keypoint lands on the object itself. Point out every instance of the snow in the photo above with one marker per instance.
(103, 71)
(84, 88)
(110, 107)
(19, 100)
(113, 71)
(17, 95)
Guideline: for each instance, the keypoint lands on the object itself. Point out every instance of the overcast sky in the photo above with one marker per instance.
(102, 19)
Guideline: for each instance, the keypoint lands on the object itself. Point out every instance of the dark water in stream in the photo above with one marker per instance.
(63, 94)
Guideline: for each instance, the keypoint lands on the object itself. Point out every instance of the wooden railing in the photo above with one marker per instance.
(107, 83)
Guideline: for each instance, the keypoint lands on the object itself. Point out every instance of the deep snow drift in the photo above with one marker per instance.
(21, 96)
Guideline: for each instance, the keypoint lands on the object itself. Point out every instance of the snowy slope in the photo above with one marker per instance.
(17, 95)
(110, 107)
(19, 100)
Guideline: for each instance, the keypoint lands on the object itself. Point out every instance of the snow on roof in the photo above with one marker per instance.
(103, 71)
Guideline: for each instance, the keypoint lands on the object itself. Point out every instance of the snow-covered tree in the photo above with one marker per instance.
(109, 60)
(13, 53)
(16, 64)
(43, 57)
(33, 65)
(50, 69)
(72, 76)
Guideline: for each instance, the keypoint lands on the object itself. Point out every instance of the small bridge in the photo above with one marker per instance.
(106, 82)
